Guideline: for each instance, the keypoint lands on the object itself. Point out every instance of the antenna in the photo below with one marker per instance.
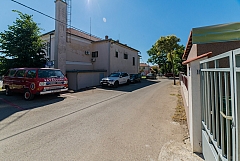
(90, 27)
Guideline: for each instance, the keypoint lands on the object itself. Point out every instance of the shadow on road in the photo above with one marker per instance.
(15, 103)
(134, 86)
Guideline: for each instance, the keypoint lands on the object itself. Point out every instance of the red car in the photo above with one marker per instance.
(32, 81)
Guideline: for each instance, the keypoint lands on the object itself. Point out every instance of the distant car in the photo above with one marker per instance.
(135, 78)
(114, 79)
(168, 75)
(151, 76)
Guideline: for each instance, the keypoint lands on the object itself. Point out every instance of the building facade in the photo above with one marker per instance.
(205, 43)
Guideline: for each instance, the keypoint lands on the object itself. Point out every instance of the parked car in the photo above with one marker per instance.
(135, 78)
(168, 75)
(151, 76)
(34, 81)
(114, 79)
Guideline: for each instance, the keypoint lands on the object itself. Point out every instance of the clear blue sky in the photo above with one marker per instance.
(137, 23)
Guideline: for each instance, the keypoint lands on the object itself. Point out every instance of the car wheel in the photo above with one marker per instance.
(116, 84)
(8, 91)
(128, 82)
(28, 95)
(57, 94)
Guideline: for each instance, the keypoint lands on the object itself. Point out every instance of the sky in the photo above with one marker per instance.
(137, 23)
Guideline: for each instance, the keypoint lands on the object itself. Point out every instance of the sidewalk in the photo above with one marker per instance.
(175, 150)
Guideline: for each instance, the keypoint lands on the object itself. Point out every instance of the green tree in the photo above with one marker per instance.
(168, 48)
(21, 45)
(156, 57)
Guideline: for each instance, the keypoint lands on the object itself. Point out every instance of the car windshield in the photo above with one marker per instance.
(132, 75)
(114, 75)
(50, 74)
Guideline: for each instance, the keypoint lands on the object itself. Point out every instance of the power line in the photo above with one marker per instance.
(53, 18)
(37, 11)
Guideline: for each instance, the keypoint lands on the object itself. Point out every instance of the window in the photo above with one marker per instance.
(20, 73)
(124, 74)
(10, 73)
(31, 74)
(133, 61)
(50, 74)
(95, 54)
(116, 54)
(125, 56)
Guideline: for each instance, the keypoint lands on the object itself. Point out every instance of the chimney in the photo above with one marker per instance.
(106, 37)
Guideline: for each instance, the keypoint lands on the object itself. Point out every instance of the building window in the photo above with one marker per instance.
(95, 54)
(133, 61)
(125, 56)
(116, 54)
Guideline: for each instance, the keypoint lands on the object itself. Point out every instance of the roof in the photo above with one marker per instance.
(188, 47)
(77, 33)
(144, 65)
(117, 42)
(212, 34)
(90, 37)
(83, 34)
(196, 58)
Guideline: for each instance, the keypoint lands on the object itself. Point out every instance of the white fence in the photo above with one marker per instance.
(220, 103)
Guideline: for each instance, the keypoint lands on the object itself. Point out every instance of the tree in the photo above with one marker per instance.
(168, 48)
(21, 45)
(156, 57)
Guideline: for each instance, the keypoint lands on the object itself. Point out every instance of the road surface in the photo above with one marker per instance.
(129, 123)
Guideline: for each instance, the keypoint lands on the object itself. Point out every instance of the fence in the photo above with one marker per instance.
(219, 101)
(183, 78)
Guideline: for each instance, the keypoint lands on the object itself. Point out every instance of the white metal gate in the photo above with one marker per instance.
(220, 85)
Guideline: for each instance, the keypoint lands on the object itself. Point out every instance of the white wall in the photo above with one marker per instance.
(77, 59)
(88, 79)
(102, 61)
(195, 112)
(121, 64)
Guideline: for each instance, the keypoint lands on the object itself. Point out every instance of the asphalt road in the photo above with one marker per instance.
(128, 123)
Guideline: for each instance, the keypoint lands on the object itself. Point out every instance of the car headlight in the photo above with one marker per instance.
(110, 80)
(65, 82)
(42, 83)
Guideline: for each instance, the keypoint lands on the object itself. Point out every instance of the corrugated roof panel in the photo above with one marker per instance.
(216, 33)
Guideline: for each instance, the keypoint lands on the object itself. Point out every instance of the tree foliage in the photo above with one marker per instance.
(21, 45)
(167, 53)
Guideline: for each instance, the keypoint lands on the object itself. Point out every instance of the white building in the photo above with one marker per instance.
(84, 58)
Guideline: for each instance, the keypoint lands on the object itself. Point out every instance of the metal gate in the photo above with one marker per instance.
(220, 87)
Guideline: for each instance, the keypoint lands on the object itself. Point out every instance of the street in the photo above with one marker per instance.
(131, 122)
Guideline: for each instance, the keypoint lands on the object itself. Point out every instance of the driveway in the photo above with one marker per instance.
(131, 122)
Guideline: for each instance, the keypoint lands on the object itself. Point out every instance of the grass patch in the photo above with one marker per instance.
(180, 114)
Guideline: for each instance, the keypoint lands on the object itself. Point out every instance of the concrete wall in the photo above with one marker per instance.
(77, 57)
(79, 80)
(184, 93)
(217, 48)
(107, 59)
(121, 64)
(102, 61)
(195, 106)
(60, 36)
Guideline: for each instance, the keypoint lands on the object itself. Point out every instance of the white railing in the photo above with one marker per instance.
(219, 101)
